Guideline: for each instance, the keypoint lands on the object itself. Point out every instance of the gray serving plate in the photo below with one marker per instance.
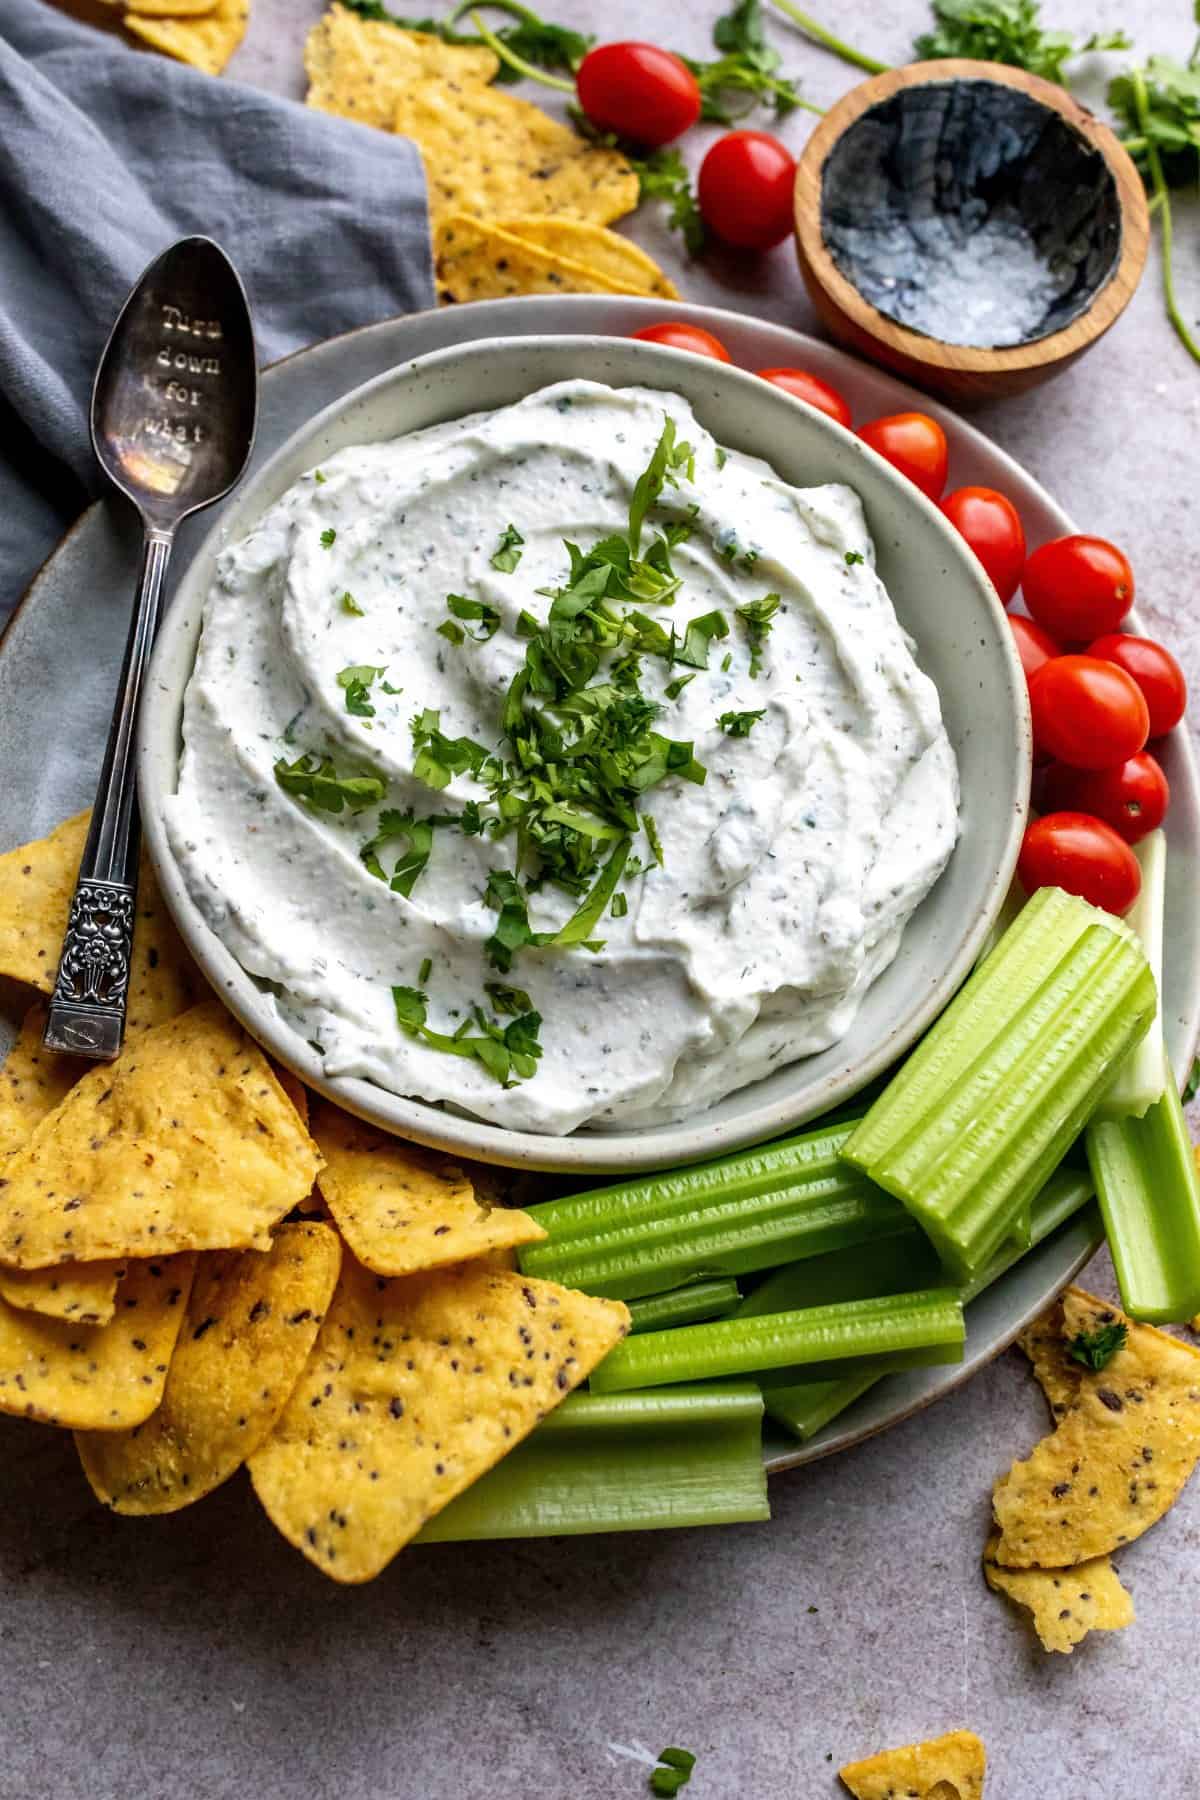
(59, 658)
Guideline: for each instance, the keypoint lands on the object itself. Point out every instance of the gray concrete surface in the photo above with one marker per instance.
(200, 1656)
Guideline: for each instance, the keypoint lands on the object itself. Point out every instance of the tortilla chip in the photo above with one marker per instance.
(206, 43)
(1058, 1374)
(84, 1292)
(250, 1325)
(945, 1768)
(401, 1209)
(360, 68)
(1064, 1604)
(186, 1142)
(36, 884)
(487, 153)
(474, 260)
(595, 247)
(1119, 1457)
(294, 1088)
(414, 1390)
(166, 9)
(97, 1377)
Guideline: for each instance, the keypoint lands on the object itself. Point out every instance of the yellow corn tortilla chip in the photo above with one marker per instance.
(1119, 1456)
(415, 1388)
(1063, 1604)
(401, 1209)
(359, 68)
(249, 1327)
(945, 1768)
(580, 241)
(1058, 1374)
(36, 884)
(33, 1081)
(474, 260)
(186, 1142)
(97, 1377)
(166, 9)
(295, 1090)
(488, 154)
(206, 43)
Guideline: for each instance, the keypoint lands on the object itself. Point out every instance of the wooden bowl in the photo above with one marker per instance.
(958, 198)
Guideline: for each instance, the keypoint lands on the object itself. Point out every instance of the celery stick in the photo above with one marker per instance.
(1139, 1080)
(808, 1406)
(685, 1305)
(622, 1462)
(1145, 1174)
(731, 1217)
(898, 1265)
(987, 1106)
(815, 1334)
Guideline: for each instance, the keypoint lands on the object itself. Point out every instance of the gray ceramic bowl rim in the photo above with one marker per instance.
(580, 1152)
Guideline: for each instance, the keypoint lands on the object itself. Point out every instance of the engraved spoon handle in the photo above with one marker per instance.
(87, 1009)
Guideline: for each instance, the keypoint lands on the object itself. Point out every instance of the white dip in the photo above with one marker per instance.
(788, 873)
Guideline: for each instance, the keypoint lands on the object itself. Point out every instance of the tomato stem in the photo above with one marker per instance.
(1162, 201)
(819, 35)
(518, 62)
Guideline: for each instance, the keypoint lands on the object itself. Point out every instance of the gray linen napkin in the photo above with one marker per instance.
(109, 154)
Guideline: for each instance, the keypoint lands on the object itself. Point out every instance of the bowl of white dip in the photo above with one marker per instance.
(580, 755)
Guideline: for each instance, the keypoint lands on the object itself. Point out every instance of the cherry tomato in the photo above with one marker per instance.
(638, 91)
(913, 443)
(992, 527)
(1156, 672)
(1132, 798)
(808, 387)
(1085, 856)
(1087, 713)
(1034, 646)
(1078, 587)
(678, 336)
(745, 190)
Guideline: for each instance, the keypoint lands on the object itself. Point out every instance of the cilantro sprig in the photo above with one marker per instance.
(757, 616)
(314, 778)
(1007, 31)
(1096, 1349)
(508, 552)
(416, 837)
(510, 1053)
(674, 1771)
(472, 610)
(1159, 106)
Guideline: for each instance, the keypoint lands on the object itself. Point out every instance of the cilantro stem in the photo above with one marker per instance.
(1158, 185)
(516, 62)
(826, 39)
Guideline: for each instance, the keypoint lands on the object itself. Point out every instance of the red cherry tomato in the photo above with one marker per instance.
(1132, 798)
(1083, 855)
(913, 443)
(745, 190)
(1034, 646)
(638, 91)
(1087, 713)
(678, 336)
(811, 388)
(1078, 587)
(1156, 672)
(992, 527)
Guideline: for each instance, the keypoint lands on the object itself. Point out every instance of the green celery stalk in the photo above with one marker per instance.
(897, 1265)
(746, 1212)
(1145, 1174)
(1139, 1080)
(622, 1462)
(931, 1319)
(806, 1406)
(987, 1106)
(685, 1305)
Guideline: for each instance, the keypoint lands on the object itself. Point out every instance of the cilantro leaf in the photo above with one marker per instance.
(350, 605)
(698, 639)
(1160, 108)
(313, 777)
(757, 615)
(852, 557)
(667, 460)
(511, 1000)
(747, 74)
(416, 834)
(513, 930)
(1006, 31)
(663, 175)
(463, 608)
(674, 1771)
(328, 538)
(509, 1053)
(739, 724)
(508, 552)
(440, 758)
(356, 681)
(1096, 1349)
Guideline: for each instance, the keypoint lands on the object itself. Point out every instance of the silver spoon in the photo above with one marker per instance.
(173, 415)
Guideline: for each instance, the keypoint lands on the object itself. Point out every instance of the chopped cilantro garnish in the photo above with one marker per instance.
(727, 662)
(698, 638)
(757, 615)
(674, 688)
(674, 1771)
(425, 970)
(509, 1053)
(722, 456)
(357, 680)
(417, 834)
(739, 724)
(664, 465)
(462, 608)
(318, 477)
(652, 837)
(328, 538)
(1096, 1349)
(313, 777)
(619, 907)
(350, 605)
(512, 1001)
(440, 758)
(452, 632)
(508, 552)
(854, 556)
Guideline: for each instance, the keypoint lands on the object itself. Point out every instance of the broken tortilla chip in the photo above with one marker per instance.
(415, 1388)
(207, 43)
(360, 68)
(487, 153)
(166, 9)
(186, 1142)
(945, 1768)
(1119, 1457)
(249, 1327)
(1063, 1604)
(474, 260)
(96, 1377)
(294, 1088)
(401, 1209)
(1058, 1374)
(595, 247)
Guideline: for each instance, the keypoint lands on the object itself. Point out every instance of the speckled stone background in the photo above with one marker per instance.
(199, 1656)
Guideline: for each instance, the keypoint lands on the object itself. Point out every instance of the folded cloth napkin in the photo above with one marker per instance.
(109, 155)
